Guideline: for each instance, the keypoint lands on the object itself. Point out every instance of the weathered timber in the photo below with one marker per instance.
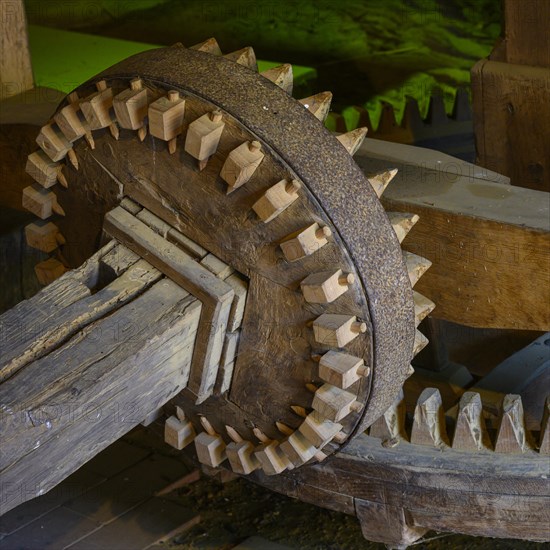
(38, 336)
(504, 240)
(61, 410)
(215, 295)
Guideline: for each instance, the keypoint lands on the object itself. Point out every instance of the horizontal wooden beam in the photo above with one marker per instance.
(488, 242)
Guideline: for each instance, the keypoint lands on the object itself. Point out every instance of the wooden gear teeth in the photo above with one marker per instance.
(203, 137)
(337, 330)
(241, 164)
(318, 105)
(131, 107)
(97, 109)
(326, 286)
(281, 76)
(276, 199)
(209, 445)
(305, 242)
(166, 118)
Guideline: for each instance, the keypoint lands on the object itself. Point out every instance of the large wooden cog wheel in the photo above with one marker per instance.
(309, 319)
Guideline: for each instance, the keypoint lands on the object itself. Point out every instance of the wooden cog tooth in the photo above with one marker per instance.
(337, 330)
(203, 136)
(470, 432)
(49, 270)
(280, 76)
(319, 430)
(305, 242)
(240, 453)
(44, 236)
(52, 141)
(131, 107)
(429, 420)
(420, 342)
(402, 223)
(209, 446)
(240, 164)
(512, 437)
(270, 456)
(380, 181)
(97, 109)
(341, 369)
(410, 371)
(391, 425)
(41, 202)
(276, 199)
(544, 442)
(326, 286)
(208, 46)
(334, 403)
(178, 431)
(44, 171)
(245, 57)
(416, 266)
(166, 118)
(318, 104)
(353, 140)
(422, 307)
(298, 448)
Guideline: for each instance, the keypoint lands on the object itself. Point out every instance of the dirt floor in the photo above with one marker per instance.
(233, 511)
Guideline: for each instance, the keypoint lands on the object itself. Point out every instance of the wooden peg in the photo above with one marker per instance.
(305, 242)
(337, 330)
(298, 448)
(402, 223)
(166, 118)
(318, 105)
(208, 46)
(544, 441)
(299, 410)
(381, 180)
(209, 445)
(97, 109)
(391, 425)
(341, 369)
(245, 57)
(429, 420)
(326, 286)
(416, 266)
(178, 431)
(49, 270)
(512, 437)
(470, 432)
(203, 136)
(422, 307)
(44, 171)
(41, 202)
(276, 199)
(240, 453)
(420, 342)
(280, 76)
(53, 142)
(131, 107)
(43, 236)
(270, 456)
(353, 140)
(72, 123)
(319, 430)
(334, 403)
(241, 164)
